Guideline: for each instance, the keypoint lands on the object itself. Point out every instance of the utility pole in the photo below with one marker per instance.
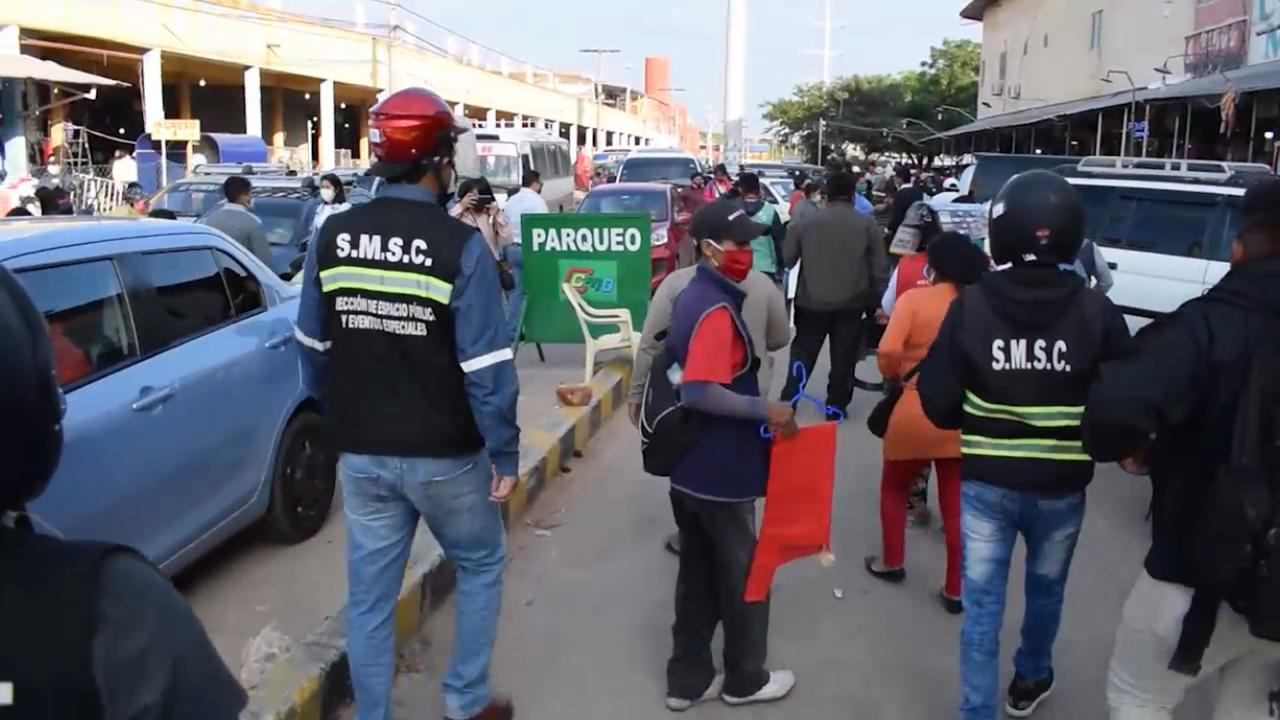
(391, 45)
(822, 126)
(598, 135)
(735, 73)
(826, 44)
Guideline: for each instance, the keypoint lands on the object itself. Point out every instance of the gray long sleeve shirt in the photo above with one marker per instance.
(846, 266)
(764, 310)
(241, 225)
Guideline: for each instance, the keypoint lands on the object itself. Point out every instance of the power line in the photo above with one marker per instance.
(460, 36)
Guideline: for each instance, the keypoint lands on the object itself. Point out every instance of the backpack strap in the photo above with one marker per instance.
(1197, 629)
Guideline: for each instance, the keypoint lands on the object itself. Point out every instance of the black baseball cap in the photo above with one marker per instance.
(1261, 202)
(724, 219)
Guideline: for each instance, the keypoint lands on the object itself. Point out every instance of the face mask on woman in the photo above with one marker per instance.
(327, 195)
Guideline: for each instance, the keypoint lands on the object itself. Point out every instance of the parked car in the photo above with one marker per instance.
(187, 420)
(670, 166)
(778, 191)
(1165, 226)
(670, 233)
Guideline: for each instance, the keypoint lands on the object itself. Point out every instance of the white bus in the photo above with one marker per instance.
(505, 153)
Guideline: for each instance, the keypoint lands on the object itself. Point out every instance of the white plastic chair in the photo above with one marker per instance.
(625, 338)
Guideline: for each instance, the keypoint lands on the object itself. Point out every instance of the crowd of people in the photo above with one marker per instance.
(1007, 371)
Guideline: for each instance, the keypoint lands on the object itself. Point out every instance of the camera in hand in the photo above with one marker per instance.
(484, 201)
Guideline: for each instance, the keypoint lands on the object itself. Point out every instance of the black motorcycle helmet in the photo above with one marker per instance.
(1036, 217)
(31, 404)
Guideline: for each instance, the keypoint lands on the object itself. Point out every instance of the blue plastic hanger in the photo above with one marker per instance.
(798, 370)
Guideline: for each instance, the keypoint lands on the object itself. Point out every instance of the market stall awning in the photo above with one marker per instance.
(25, 67)
(1251, 78)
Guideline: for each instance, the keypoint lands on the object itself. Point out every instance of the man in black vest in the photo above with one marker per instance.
(405, 340)
(1183, 386)
(1010, 369)
(87, 630)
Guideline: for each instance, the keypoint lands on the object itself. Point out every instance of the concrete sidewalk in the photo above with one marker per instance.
(302, 589)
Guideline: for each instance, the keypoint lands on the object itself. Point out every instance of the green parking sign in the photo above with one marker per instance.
(604, 258)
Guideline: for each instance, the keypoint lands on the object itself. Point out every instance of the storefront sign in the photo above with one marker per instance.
(175, 131)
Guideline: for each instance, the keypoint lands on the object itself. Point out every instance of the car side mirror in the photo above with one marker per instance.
(683, 217)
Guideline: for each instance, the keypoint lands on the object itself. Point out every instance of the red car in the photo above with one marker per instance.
(669, 241)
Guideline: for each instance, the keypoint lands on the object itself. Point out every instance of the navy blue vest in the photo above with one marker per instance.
(730, 461)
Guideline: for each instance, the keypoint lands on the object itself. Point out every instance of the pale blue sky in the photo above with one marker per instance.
(784, 38)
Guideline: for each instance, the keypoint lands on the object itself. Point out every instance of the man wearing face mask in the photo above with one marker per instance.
(716, 482)
(235, 218)
(404, 339)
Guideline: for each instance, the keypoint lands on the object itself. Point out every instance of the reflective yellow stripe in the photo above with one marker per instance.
(349, 277)
(1033, 415)
(1037, 448)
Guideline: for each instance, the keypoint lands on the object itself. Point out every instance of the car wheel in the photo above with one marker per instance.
(302, 483)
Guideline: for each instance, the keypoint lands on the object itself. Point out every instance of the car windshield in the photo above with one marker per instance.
(502, 171)
(781, 188)
(189, 199)
(639, 168)
(609, 161)
(281, 217)
(653, 202)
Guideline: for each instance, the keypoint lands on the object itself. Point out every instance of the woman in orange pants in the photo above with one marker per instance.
(912, 442)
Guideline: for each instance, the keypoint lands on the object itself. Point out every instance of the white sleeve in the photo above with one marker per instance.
(890, 296)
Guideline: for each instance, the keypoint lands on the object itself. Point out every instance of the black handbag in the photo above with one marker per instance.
(878, 420)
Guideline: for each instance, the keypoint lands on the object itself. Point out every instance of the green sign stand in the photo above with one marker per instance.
(605, 258)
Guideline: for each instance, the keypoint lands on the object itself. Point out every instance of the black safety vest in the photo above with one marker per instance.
(48, 621)
(387, 270)
(1025, 395)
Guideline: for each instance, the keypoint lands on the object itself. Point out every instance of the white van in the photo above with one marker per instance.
(1166, 234)
(505, 153)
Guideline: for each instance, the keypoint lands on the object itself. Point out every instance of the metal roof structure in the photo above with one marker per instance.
(1251, 78)
(25, 67)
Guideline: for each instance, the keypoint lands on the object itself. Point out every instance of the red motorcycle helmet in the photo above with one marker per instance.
(411, 128)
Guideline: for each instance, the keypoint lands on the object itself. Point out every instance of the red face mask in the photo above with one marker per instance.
(735, 264)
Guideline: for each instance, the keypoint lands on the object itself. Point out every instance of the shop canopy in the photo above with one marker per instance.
(1252, 78)
(25, 67)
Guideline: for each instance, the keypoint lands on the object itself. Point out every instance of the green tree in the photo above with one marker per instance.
(875, 112)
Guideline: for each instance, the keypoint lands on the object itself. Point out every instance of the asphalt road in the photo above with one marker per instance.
(585, 631)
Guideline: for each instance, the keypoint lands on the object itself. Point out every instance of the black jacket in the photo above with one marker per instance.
(1182, 385)
(1028, 339)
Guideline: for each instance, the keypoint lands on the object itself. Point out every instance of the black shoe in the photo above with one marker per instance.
(835, 416)
(672, 543)
(895, 576)
(950, 604)
(1025, 696)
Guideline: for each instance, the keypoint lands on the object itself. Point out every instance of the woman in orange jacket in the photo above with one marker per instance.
(912, 442)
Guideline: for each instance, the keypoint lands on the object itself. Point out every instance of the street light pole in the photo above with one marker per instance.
(599, 53)
(1133, 107)
(968, 115)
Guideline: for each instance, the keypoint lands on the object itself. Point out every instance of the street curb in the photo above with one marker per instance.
(312, 682)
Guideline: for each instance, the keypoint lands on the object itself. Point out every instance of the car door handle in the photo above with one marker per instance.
(153, 398)
(1113, 266)
(276, 343)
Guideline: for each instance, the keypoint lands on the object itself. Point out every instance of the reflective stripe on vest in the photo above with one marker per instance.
(350, 277)
(1035, 448)
(1045, 416)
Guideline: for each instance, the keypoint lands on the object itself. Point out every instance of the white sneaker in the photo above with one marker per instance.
(780, 684)
(713, 692)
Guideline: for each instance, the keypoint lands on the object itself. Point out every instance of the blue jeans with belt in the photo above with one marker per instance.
(991, 518)
(383, 497)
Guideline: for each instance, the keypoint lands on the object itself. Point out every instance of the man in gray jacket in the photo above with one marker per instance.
(236, 220)
(845, 268)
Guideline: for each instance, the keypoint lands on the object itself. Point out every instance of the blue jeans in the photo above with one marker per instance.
(991, 518)
(514, 255)
(383, 497)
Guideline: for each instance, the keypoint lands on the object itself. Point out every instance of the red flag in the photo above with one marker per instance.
(797, 504)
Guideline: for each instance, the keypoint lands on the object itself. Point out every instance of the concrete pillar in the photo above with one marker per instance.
(628, 107)
(362, 117)
(13, 132)
(277, 117)
(573, 142)
(735, 72)
(590, 140)
(519, 122)
(328, 151)
(253, 101)
(460, 110)
(152, 89)
(184, 97)
(57, 131)
(555, 128)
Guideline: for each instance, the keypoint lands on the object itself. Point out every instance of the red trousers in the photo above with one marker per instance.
(895, 487)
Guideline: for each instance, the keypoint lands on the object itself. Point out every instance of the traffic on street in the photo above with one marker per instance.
(414, 366)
